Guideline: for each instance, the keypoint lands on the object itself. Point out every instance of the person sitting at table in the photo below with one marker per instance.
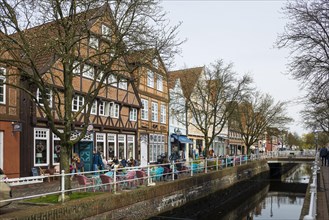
(123, 162)
(131, 162)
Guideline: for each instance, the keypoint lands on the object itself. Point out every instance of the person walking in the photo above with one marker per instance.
(323, 155)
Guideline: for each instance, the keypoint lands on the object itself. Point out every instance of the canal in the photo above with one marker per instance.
(281, 198)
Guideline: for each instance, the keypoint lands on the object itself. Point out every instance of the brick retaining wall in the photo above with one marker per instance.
(145, 202)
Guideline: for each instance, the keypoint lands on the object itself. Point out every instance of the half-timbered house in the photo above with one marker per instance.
(152, 84)
(10, 126)
(113, 118)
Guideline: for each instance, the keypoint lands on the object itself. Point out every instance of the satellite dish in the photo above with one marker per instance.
(90, 127)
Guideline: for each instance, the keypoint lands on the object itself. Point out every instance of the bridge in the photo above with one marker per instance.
(290, 156)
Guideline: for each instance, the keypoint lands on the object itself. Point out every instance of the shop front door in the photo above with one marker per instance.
(85, 151)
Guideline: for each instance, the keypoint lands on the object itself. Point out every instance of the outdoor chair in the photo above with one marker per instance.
(141, 175)
(43, 173)
(130, 179)
(85, 182)
(106, 180)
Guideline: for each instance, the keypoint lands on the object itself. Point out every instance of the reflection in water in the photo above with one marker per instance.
(299, 175)
(259, 203)
(278, 206)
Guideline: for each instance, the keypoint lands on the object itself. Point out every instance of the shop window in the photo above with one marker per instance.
(56, 150)
(100, 143)
(41, 147)
(131, 146)
(122, 146)
(111, 146)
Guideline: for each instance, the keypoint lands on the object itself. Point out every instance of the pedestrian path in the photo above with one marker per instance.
(323, 194)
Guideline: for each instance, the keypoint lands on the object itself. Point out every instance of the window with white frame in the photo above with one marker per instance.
(123, 84)
(101, 108)
(114, 110)
(145, 110)
(150, 79)
(49, 96)
(41, 146)
(88, 71)
(159, 82)
(106, 32)
(100, 143)
(122, 146)
(111, 146)
(56, 149)
(155, 63)
(2, 85)
(131, 146)
(133, 114)
(156, 146)
(76, 67)
(77, 102)
(93, 42)
(93, 109)
(112, 80)
(163, 114)
(154, 111)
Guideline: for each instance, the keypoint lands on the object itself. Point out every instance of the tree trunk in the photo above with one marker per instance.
(65, 161)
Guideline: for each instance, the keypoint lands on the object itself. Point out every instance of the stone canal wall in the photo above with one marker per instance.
(146, 202)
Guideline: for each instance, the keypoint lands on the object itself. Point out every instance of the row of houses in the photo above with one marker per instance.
(132, 117)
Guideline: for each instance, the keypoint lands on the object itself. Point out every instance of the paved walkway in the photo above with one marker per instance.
(323, 194)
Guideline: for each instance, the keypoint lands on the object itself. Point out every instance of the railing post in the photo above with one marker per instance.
(63, 185)
(191, 167)
(233, 161)
(149, 179)
(173, 170)
(225, 162)
(115, 179)
(205, 165)
(240, 159)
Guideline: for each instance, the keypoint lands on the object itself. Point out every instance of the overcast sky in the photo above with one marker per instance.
(241, 32)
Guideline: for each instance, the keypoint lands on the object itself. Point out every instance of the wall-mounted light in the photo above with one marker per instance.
(17, 126)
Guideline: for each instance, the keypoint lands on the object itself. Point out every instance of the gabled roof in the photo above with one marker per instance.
(188, 79)
(43, 34)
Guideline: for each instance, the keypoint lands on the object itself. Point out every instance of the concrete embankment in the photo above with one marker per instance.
(145, 202)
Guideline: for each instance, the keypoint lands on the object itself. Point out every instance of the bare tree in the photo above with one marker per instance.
(212, 99)
(307, 36)
(254, 116)
(47, 41)
(316, 114)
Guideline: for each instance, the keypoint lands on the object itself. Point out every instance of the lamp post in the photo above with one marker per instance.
(316, 136)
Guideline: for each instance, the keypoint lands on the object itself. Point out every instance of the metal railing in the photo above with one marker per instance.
(176, 170)
(313, 191)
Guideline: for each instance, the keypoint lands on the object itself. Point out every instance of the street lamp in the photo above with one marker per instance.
(316, 135)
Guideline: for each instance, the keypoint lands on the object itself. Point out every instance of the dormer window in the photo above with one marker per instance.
(106, 32)
(2, 86)
(93, 42)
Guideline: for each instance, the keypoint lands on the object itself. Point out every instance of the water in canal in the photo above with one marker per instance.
(275, 199)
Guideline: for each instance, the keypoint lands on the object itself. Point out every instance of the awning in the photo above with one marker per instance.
(182, 139)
